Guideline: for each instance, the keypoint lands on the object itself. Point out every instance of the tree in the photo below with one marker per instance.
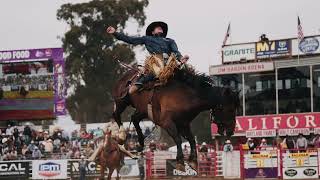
(90, 66)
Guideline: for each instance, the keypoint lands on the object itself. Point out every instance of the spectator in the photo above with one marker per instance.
(311, 141)
(263, 144)
(228, 146)
(36, 154)
(317, 141)
(69, 154)
(89, 150)
(152, 146)
(31, 146)
(251, 144)
(203, 147)
(141, 165)
(9, 130)
(48, 146)
(302, 142)
(82, 168)
(289, 143)
(24, 151)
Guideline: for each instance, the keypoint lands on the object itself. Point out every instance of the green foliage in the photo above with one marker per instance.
(90, 64)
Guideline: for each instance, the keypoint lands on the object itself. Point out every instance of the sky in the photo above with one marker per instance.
(198, 26)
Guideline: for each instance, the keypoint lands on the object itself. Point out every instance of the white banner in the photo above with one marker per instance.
(231, 167)
(261, 133)
(241, 68)
(238, 52)
(6, 88)
(294, 132)
(309, 45)
(300, 173)
(49, 169)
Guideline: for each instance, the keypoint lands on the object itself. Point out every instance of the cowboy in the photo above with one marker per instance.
(117, 134)
(157, 45)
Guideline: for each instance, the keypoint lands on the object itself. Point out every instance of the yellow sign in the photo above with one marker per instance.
(299, 155)
(266, 46)
(260, 163)
(299, 162)
(260, 156)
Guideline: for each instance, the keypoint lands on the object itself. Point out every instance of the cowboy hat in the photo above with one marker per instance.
(228, 141)
(155, 24)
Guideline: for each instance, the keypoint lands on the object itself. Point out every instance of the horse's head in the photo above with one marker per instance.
(225, 113)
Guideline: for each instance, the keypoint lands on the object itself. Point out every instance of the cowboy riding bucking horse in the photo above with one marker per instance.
(160, 47)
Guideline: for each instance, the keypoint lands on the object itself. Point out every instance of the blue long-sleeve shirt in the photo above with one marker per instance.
(154, 44)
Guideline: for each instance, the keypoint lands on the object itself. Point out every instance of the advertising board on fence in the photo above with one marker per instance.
(261, 165)
(129, 169)
(49, 169)
(16, 170)
(172, 171)
(300, 165)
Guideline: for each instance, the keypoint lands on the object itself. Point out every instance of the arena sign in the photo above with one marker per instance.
(172, 171)
(33, 84)
(238, 52)
(241, 68)
(285, 124)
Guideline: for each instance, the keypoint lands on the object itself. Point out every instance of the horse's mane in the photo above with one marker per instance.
(200, 82)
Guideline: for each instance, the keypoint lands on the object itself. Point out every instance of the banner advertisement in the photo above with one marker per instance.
(241, 68)
(270, 172)
(172, 171)
(300, 165)
(129, 169)
(285, 124)
(300, 173)
(12, 170)
(261, 133)
(273, 49)
(308, 46)
(49, 169)
(263, 164)
(35, 86)
(238, 52)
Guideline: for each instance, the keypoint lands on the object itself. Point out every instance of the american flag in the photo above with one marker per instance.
(300, 31)
(226, 36)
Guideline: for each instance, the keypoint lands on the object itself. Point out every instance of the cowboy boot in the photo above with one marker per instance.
(122, 149)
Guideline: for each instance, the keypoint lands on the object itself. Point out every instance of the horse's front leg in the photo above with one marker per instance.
(173, 132)
(136, 118)
(193, 160)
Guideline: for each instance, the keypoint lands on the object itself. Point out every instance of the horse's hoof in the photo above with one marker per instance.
(193, 165)
(180, 167)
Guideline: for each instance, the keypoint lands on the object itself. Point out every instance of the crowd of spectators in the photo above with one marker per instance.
(20, 143)
(33, 82)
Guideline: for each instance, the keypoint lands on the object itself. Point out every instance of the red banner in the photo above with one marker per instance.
(280, 121)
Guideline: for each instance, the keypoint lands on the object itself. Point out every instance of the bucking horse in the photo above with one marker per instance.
(174, 105)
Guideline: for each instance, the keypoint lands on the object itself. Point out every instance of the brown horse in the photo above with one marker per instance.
(176, 104)
(110, 157)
